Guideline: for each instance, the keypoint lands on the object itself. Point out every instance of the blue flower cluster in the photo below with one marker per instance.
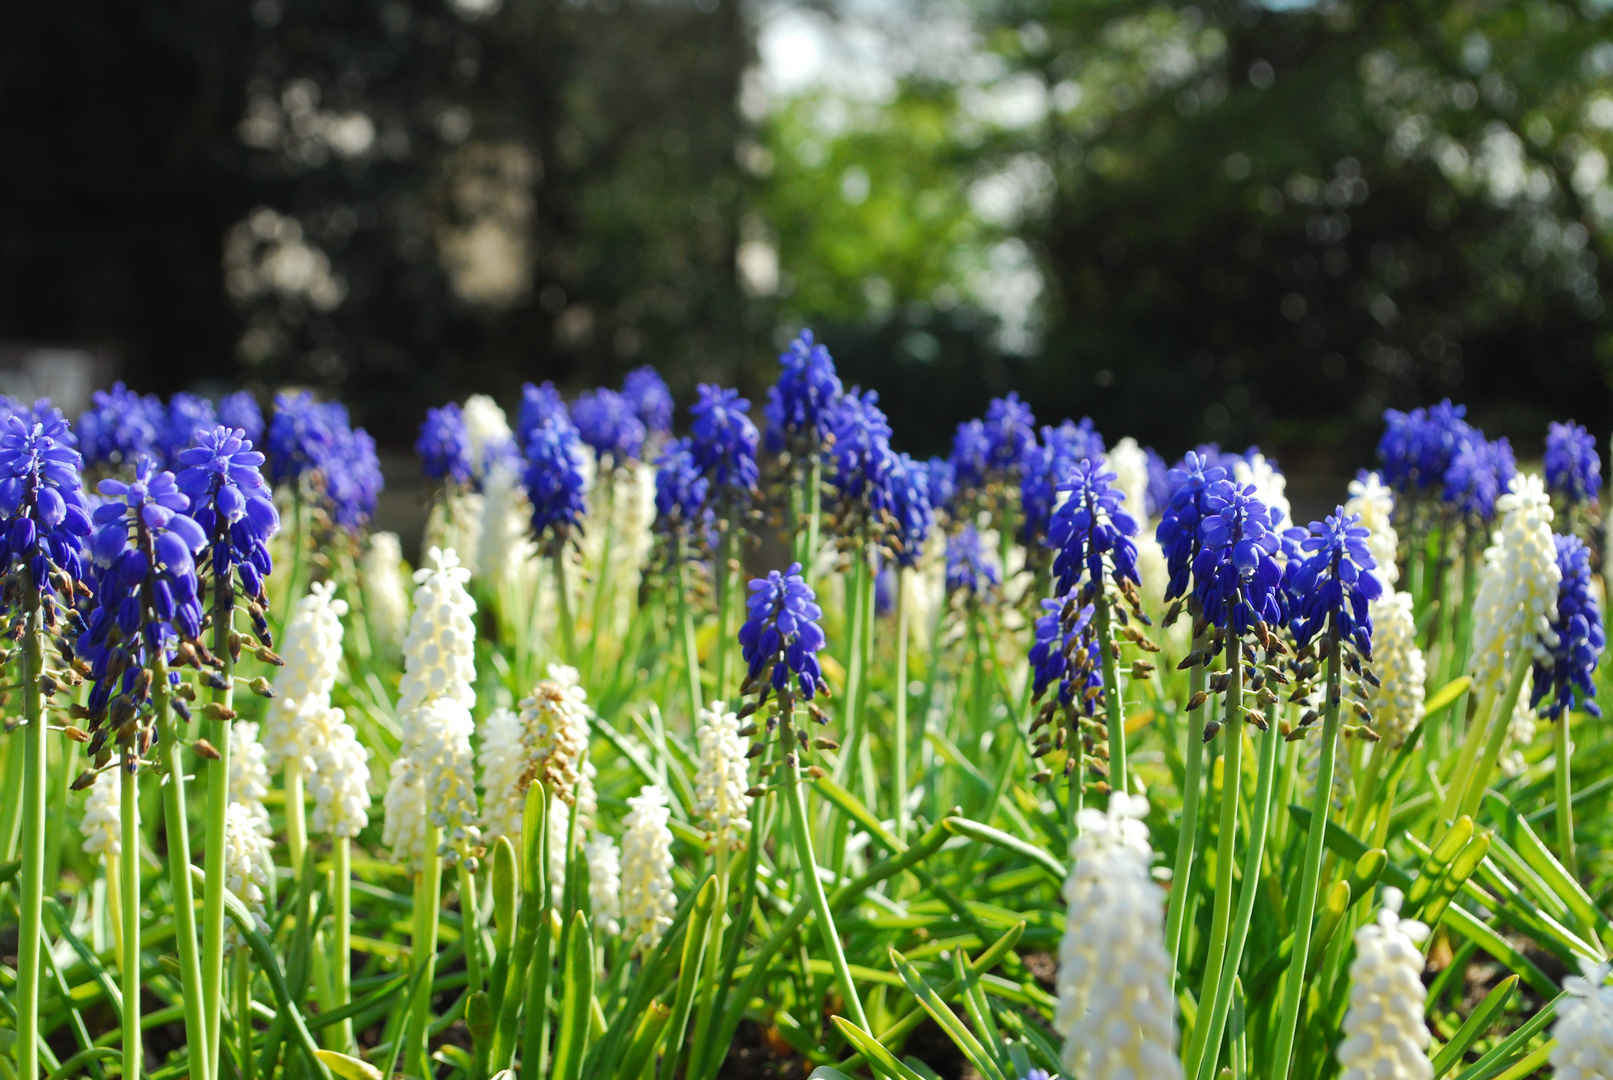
(147, 602)
(860, 448)
(647, 395)
(43, 515)
(1573, 467)
(444, 445)
(781, 637)
(943, 484)
(1479, 473)
(1191, 483)
(315, 442)
(1569, 681)
(1091, 529)
(1010, 430)
(1046, 466)
(969, 568)
(806, 390)
(223, 480)
(119, 426)
(680, 491)
(971, 455)
(186, 415)
(607, 422)
(1417, 447)
(1236, 579)
(240, 410)
(1329, 586)
(723, 441)
(1066, 652)
(539, 404)
(556, 480)
(910, 510)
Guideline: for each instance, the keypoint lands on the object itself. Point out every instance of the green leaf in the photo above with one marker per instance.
(1477, 1023)
(1523, 839)
(349, 1068)
(1499, 1055)
(1446, 694)
(975, 830)
(883, 1061)
(961, 1036)
(826, 1072)
(576, 999)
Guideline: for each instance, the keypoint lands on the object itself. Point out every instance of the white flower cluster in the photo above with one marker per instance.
(340, 778)
(604, 883)
(439, 651)
(246, 866)
(386, 601)
(432, 778)
(503, 761)
(486, 428)
(646, 864)
(1115, 1008)
(1385, 1037)
(102, 823)
(1270, 484)
(1397, 701)
(505, 549)
(1517, 594)
(723, 777)
(1376, 506)
(1584, 1026)
(249, 773)
(1129, 463)
(312, 650)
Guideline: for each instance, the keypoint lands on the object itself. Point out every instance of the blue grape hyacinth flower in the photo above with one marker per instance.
(240, 410)
(806, 390)
(723, 441)
(1573, 467)
(1480, 472)
(1417, 447)
(781, 636)
(1568, 682)
(1066, 654)
(44, 518)
(1046, 466)
(861, 452)
(223, 479)
(556, 481)
(647, 395)
(607, 423)
(910, 509)
(680, 490)
(1010, 428)
(971, 455)
(539, 404)
(119, 426)
(1191, 482)
(1332, 588)
(185, 416)
(1235, 577)
(970, 568)
(444, 445)
(1092, 534)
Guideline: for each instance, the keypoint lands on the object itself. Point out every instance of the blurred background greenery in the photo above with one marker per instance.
(1225, 220)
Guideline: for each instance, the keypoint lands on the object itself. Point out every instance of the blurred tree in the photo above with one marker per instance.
(1250, 221)
(397, 199)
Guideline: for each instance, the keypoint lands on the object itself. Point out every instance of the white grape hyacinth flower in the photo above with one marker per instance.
(340, 779)
(1520, 731)
(1375, 505)
(502, 757)
(443, 756)
(312, 650)
(648, 901)
(246, 866)
(249, 772)
(1129, 463)
(505, 550)
(487, 428)
(1517, 594)
(386, 599)
(604, 883)
(1115, 1009)
(1385, 1036)
(1397, 701)
(1584, 1026)
(439, 651)
(102, 823)
(722, 777)
(403, 827)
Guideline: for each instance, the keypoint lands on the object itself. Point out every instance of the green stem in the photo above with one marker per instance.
(854, 668)
(900, 691)
(342, 944)
(1114, 707)
(711, 969)
(1187, 834)
(184, 899)
(35, 782)
(1217, 962)
(423, 955)
(1479, 779)
(1310, 875)
(129, 782)
(727, 555)
(218, 800)
(691, 650)
(1259, 814)
(1565, 802)
(470, 927)
(568, 626)
(296, 819)
(801, 831)
(814, 502)
(243, 1016)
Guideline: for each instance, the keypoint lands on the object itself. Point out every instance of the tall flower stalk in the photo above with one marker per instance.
(44, 523)
(147, 622)
(231, 502)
